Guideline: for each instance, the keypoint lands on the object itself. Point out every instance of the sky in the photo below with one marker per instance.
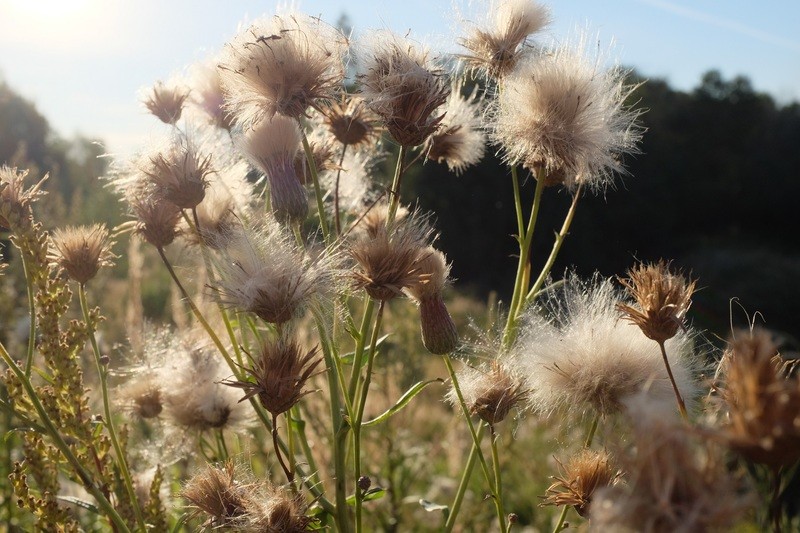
(84, 63)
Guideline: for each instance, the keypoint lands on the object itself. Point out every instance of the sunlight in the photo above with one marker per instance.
(47, 8)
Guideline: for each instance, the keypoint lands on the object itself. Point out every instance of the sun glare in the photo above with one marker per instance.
(47, 8)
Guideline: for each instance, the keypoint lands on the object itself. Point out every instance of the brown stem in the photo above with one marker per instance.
(286, 469)
(681, 404)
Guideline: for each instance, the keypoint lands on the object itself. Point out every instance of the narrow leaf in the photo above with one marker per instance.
(402, 402)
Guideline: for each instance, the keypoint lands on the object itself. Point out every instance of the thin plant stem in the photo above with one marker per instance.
(102, 372)
(462, 485)
(337, 223)
(681, 404)
(394, 192)
(32, 315)
(775, 503)
(361, 342)
(498, 482)
(286, 469)
(518, 203)
(306, 447)
(559, 240)
(290, 443)
(312, 168)
(82, 473)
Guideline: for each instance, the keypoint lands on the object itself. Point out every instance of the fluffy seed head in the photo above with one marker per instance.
(141, 395)
(352, 123)
(662, 298)
(82, 250)
(215, 493)
(563, 115)
(178, 172)
(586, 472)
(402, 86)
(279, 373)
(207, 94)
(490, 392)
(356, 188)
(156, 218)
(283, 64)
(15, 199)
(495, 48)
(578, 355)
(165, 101)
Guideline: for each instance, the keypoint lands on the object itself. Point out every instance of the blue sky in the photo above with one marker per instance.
(82, 62)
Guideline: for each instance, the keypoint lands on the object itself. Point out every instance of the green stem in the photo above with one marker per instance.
(102, 372)
(518, 203)
(361, 342)
(337, 223)
(32, 313)
(312, 167)
(82, 473)
(394, 192)
(306, 447)
(560, 237)
(462, 486)
(498, 483)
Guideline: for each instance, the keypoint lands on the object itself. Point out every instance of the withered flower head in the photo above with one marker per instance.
(141, 395)
(215, 493)
(401, 85)
(460, 141)
(663, 299)
(352, 123)
(491, 393)
(439, 334)
(283, 64)
(272, 146)
(374, 220)
(166, 101)
(763, 403)
(388, 261)
(82, 250)
(178, 172)
(156, 218)
(279, 373)
(284, 512)
(15, 200)
(495, 48)
(586, 472)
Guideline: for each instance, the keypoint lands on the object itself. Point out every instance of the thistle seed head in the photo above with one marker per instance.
(585, 473)
(460, 141)
(178, 172)
(351, 122)
(490, 392)
(165, 101)
(82, 250)
(15, 199)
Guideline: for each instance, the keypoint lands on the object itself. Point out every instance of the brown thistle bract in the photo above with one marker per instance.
(179, 173)
(439, 334)
(763, 403)
(82, 250)
(585, 472)
(215, 493)
(156, 218)
(283, 512)
(15, 199)
(495, 50)
(663, 299)
(352, 123)
(491, 395)
(165, 102)
(279, 374)
(388, 261)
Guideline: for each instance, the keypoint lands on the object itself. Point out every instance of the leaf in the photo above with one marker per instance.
(372, 494)
(179, 524)
(432, 506)
(89, 506)
(402, 402)
(349, 357)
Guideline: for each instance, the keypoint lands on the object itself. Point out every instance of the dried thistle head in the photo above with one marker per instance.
(763, 404)
(283, 64)
(279, 374)
(141, 395)
(156, 218)
(460, 141)
(439, 334)
(388, 261)
(178, 172)
(283, 511)
(351, 122)
(165, 101)
(495, 48)
(585, 472)
(401, 85)
(215, 493)
(15, 199)
(272, 145)
(662, 298)
(562, 115)
(373, 221)
(82, 250)
(491, 393)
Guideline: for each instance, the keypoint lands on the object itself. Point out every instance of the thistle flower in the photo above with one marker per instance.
(15, 199)
(562, 115)
(165, 102)
(663, 299)
(279, 374)
(763, 403)
(674, 485)
(388, 261)
(283, 64)
(216, 493)
(439, 334)
(272, 145)
(262, 272)
(141, 395)
(585, 473)
(495, 48)
(374, 220)
(178, 172)
(489, 392)
(351, 122)
(156, 218)
(578, 355)
(401, 85)
(207, 94)
(82, 250)
(460, 141)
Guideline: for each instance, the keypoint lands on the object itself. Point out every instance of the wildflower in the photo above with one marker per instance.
(351, 122)
(495, 49)
(402, 86)
(178, 172)
(283, 64)
(283, 511)
(208, 95)
(15, 200)
(460, 141)
(216, 493)
(82, 250)
(262, 272)
(491, 393)
(272, 145)
(165, 102)
(578, 355)
(675, 484)
(561, 115)
(763, 404)
(388, 261)
(157, 218)
(280, 372)
(439, 334)
(585, 473)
